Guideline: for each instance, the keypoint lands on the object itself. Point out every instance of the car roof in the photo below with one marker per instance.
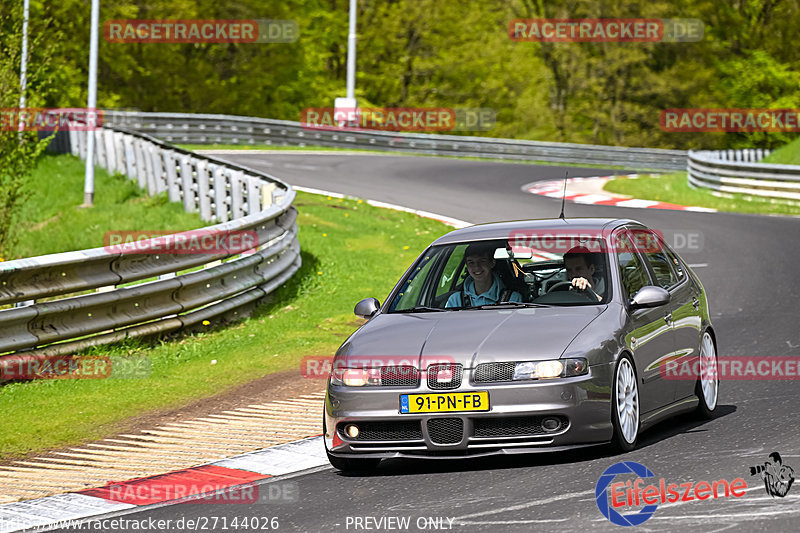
(502, 230)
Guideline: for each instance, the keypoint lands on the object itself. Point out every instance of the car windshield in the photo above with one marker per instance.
(505, 274)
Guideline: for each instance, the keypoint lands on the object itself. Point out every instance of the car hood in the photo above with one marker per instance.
(469, 337)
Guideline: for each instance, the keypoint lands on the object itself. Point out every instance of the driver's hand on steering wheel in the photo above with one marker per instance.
(580, 283)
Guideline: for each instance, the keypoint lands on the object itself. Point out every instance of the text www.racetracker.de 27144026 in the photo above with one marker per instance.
(201, 523)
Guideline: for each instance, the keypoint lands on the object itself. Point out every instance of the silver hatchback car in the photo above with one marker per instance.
(521, 337)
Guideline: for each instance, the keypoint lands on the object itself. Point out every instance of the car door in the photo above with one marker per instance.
(686, 319)
(651, 336)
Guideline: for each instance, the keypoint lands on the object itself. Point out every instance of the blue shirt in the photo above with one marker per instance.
(492, 296)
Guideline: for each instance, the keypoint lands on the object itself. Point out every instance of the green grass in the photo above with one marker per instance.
(350, 251)
(785, 155)
(674, 188)
(246, 147)
(51, 220)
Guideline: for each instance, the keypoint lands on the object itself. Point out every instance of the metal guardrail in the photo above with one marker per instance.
(239, 198)
(228, 129)
(738, 171)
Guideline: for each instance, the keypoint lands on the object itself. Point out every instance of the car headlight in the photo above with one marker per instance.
(356, 377)
(557, 368)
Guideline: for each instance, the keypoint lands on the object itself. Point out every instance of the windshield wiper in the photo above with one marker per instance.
(502, 304)
(419, 309)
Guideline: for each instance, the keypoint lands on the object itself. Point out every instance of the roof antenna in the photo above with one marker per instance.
(564, 196)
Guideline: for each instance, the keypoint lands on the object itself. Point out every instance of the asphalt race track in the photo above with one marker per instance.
(749, 266)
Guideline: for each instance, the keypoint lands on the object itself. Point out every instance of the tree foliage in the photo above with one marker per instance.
(18, 150)
(446, 53)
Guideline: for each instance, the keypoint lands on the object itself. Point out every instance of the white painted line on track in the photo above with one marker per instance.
(456, 223)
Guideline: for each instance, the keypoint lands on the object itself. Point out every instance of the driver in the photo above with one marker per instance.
(580, 270)
(483, 286)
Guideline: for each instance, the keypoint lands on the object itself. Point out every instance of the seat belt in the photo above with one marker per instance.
(466, 301)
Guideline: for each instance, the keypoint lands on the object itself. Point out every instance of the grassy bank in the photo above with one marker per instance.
(674, 188)
(51, 220)
(785, 155)
(350, 251)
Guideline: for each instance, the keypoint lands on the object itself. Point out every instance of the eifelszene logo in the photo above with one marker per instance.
(612, 497)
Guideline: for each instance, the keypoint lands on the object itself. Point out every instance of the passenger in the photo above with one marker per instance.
(483, 286)
(580, 270)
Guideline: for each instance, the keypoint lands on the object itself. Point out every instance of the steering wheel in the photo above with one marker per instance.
(587, 292)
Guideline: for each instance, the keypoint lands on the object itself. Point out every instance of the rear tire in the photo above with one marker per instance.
(707, 387)
(625, 409)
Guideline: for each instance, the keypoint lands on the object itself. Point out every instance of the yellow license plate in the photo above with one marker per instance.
(444, 403)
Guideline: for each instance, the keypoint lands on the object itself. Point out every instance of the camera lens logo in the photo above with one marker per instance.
(601, 494)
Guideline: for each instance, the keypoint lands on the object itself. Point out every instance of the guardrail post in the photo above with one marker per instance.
(221, 187)
(74, 148)
(158, 169)
(138, 165)
(187, 180)
(236, 194)
(149, 149)
(253, 195)
(266, 194)
(203, 190)
(119, 152)
(171, 163)
(105, 135)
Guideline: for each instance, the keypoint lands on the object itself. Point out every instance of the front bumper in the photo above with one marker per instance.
(512, 425)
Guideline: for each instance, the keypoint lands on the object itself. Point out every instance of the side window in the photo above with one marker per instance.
(660, 263)
(676, 264)
(410, 294)
(448, 280)
(631, 271)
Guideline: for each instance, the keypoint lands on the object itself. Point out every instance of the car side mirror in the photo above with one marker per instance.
(650, 296)
(367, 307)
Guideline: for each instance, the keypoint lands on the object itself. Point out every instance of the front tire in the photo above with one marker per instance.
(625, 413)
(707, 388)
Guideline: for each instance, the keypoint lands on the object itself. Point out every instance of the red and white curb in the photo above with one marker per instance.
(57, 511)
(590, 191)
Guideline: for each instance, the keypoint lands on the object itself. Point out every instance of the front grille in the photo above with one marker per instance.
(399, 376)
(494, 372)
(514, 426)
(401, 430)
(443, 376)
(446, 430)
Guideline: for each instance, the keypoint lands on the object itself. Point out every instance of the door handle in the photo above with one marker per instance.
(668, 318)
(695, 303)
